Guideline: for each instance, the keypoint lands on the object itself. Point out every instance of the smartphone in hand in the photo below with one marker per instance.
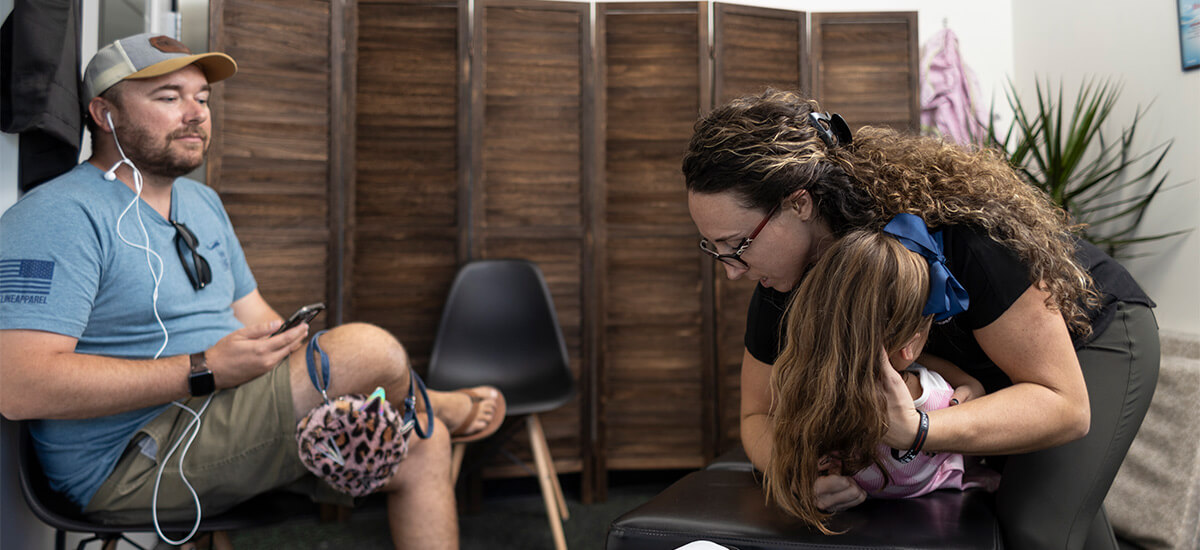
(303, 315)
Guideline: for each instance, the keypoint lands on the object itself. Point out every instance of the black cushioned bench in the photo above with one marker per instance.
(724, 503)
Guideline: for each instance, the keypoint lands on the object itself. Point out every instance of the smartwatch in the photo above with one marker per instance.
(200, 380)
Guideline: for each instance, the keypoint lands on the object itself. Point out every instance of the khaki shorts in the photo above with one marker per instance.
(246, 446)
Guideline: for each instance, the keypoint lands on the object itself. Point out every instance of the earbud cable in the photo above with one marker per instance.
(194, 426)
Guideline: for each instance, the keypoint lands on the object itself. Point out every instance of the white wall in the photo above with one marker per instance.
(1112, 38)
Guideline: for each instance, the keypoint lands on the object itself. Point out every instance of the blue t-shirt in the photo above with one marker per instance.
(65, 269)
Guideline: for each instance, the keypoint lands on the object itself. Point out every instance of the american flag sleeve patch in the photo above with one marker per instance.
(29, 277)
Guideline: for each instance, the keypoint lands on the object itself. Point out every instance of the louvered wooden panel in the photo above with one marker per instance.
(534, 110)
(271, 162)
(865, 67)
(754, 48)
(533, 117)
(406, 201)
(656, 378)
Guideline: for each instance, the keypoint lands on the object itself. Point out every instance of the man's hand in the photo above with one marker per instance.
(248, 353)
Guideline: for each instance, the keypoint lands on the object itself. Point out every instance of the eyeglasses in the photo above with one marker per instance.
(735, 259)
(200, 275)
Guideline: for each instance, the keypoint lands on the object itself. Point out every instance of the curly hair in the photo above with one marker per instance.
(762, 148)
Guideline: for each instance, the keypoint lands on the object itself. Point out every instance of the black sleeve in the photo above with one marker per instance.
(993, 275)
(763, 323)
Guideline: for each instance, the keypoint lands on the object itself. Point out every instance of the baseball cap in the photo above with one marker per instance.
(146, 56)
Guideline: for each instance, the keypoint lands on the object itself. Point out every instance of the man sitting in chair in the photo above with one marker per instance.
(127, 310)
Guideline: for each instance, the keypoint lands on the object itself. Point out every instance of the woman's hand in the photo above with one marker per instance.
(903, 418)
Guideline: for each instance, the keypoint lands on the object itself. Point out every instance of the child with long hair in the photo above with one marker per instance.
(867, 297)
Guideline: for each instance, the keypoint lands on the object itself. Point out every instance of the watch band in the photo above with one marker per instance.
(199, 362)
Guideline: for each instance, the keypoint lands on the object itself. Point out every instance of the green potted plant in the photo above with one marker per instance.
(1106, 184)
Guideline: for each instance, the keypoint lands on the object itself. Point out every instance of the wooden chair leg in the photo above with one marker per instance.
(456, 461)
(558, 492)
(537, 440)
(562, 501)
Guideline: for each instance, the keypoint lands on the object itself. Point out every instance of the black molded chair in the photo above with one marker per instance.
(64, 516)
(499, 328)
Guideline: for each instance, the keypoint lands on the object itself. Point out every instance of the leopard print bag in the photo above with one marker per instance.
(356, 442)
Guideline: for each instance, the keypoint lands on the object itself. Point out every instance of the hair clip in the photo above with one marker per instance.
(831, 128)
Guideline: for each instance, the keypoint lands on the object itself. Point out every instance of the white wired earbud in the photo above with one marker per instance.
(111, 174)
(194, 425)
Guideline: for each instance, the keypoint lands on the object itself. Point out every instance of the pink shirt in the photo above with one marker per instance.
(928, 471)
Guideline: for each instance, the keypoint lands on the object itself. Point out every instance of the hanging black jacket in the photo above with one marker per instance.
(39, 86)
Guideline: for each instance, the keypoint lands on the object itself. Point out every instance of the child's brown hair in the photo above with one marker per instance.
(863, 298)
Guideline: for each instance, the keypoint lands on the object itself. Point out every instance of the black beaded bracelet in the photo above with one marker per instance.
(918, 443)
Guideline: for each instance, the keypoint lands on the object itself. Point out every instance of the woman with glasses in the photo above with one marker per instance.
(1061, 336)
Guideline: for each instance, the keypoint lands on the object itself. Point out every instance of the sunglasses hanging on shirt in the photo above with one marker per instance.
(198, 271)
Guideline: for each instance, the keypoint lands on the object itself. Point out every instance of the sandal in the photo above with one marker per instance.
(460, 434)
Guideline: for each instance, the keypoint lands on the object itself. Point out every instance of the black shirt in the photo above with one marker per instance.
(994, 278)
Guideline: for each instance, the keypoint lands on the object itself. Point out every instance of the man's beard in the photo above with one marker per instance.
(160, 160)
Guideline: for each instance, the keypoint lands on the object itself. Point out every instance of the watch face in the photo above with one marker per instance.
(201, 383)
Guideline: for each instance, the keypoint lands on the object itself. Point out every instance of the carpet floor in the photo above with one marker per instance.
(511, 516)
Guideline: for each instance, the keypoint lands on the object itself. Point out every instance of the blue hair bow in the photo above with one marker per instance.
(947, 297)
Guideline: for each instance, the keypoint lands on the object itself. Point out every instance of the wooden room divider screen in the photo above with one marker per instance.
(367, 149)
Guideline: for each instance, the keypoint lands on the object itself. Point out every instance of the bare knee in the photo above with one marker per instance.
(368, 351)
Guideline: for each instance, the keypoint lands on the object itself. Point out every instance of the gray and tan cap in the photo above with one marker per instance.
(147, 56)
